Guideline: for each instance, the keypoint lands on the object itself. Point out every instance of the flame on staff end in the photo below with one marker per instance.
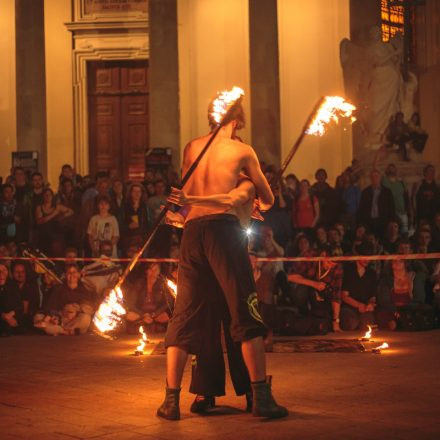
(110, 311)
(368, 333)
(224, 99)
(142, 341)
(382, 347)
(173, 287)
(333, 108)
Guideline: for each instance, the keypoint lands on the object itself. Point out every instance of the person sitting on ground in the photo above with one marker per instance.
(147, 303)
(392, 237)
(359, 292)
(11, 306)
(69, 309)
(401, 299)
(103, 227)
(321, 238)
(318, 288)
(358, 236)
(335, 242)
(28, 292)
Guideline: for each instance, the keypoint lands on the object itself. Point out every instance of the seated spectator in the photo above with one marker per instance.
(321, 240)
(103, 274)
(28, 290)
(401, 299)
(358, 237)
(345, 242)
(372, 238)
(69, 309)
(46, 284)
(11, 306)
(392, 237)
(359, 292)
(335, 242)
(417, 135)
(103, 227)
(318, 288)
(147, 303)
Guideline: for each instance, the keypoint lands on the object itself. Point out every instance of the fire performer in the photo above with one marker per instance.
(208, 368)
(212, 250)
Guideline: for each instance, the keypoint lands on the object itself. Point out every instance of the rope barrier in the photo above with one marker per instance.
(430, 256)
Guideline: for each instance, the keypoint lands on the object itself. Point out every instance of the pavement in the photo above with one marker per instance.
(87, 387)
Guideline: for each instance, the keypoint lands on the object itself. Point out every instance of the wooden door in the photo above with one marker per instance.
(118, 117)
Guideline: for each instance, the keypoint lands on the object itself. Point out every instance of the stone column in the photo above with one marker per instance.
(264, 81)
(30, 79)
(163, 76)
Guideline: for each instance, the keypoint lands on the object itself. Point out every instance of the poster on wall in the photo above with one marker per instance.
(114, 6)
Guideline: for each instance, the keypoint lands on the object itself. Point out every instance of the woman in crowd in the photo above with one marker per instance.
(47, 218)
(306, 213)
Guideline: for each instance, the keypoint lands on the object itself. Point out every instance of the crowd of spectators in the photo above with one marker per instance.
(88, 221)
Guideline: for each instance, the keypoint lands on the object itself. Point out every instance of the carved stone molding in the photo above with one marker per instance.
(93, 41)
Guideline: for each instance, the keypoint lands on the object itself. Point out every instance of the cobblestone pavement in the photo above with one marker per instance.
(87, 387)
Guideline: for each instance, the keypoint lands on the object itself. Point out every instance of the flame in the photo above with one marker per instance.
(173, 287)
(110, 311)
(368, 333)
(223, 101)
(142, 340)
(382, 347)
(331, 109)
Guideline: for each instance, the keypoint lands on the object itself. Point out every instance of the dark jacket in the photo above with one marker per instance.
(385, 203)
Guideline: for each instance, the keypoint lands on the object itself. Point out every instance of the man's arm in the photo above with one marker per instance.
(253, 170)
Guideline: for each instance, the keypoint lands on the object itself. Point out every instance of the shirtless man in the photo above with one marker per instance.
(212, 251)
(208, 367)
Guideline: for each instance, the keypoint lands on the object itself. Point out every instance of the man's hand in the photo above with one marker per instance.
(320, 286)
(178, 197)
(362, 308)
(10, 318)
(256, 214)
(370, 307)
(174, 219)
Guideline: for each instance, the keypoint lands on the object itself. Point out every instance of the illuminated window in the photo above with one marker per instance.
(393, 18)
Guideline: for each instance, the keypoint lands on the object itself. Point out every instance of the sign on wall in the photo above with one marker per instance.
(114, 6)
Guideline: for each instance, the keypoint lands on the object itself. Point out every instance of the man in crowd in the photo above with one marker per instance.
(11, 306)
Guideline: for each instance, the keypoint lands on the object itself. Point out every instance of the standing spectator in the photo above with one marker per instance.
(400, 197)
(47, 216)
(306, 208)
(67, 172)
(22, 188)
(135, 218)
(350, 195)
(376, 207)
(12, 216)
(292, 188)
(103, 227)
(358, 292)
(117, 199)
(159, 199)
(11, 307)
(28, 290)
(327, 197)
(427, 196)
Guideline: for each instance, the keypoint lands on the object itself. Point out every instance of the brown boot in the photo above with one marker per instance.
(264, 404)
(170, 407)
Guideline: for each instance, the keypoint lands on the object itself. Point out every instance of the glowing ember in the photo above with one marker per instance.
(367, 334)
(382, 347)
(173, 287)
(223, 101)
(332, 109)
(142, 341)
(110, 311)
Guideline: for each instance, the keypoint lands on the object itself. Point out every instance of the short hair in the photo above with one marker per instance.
(237, 115)
(101, 175)
(36, 173)
(72, 265)
(66, 165)
(7, 185)
(320, 170)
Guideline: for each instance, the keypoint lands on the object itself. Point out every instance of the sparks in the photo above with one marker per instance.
(173, 287)
(142, 341)
(223, 101)
(110, 312)
(332, 109)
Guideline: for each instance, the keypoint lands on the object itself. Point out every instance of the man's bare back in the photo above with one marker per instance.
(218, 172)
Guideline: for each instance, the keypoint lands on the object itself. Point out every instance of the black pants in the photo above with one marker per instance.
(213, 255)
(208, 367)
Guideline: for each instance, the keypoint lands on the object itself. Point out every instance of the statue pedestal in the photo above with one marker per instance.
(409, 171)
